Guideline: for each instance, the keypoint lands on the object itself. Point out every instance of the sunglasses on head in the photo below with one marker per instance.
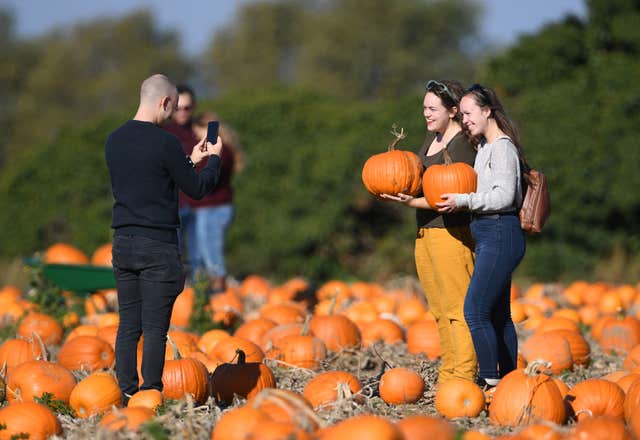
(435, 86)
(477, 87)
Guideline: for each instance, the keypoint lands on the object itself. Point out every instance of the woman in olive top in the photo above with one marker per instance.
(444, 247)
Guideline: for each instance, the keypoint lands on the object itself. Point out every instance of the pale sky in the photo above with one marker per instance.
(197, 20)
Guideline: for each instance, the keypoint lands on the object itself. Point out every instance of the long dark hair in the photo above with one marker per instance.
(486, 97)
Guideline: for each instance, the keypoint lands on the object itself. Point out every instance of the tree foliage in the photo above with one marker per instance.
(94, 67)
(361, 49)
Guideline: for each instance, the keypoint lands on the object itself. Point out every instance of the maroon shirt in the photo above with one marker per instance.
(222, 194)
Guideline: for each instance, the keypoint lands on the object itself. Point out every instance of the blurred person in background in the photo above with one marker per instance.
(214, 213)
(444, 249)
(206, 221)
(500, 242)
(147, 167)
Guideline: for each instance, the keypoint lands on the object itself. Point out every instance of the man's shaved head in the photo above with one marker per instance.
(155, 88)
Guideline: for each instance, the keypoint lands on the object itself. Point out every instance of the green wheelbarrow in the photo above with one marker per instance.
(75, 277)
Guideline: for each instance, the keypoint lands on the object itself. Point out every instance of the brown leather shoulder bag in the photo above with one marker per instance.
(536, 203)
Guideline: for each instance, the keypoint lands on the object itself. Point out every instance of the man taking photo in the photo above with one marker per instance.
(148, 167)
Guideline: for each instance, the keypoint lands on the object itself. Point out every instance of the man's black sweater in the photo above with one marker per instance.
(147, 167)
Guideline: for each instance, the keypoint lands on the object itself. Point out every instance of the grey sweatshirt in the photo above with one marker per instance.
(499, 184)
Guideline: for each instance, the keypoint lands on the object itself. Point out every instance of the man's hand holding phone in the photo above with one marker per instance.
(209, 145)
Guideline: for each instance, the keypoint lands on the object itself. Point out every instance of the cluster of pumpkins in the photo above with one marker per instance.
(291, 325)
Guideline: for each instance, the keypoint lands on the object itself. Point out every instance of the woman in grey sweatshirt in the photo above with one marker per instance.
(500, 243)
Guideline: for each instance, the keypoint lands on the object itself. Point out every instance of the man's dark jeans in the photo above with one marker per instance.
(149, 276)
(500, 246)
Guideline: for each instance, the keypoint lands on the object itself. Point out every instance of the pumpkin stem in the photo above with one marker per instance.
(242, 357)
(533, 368)
(344, 391)
(3, 381)
(305, 327)
(334, 300)
(174, 347)
(399, 135)
(447, 156)
(385, 363)
(43, 349)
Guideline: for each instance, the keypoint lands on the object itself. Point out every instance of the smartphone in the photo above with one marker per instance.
(212, 131)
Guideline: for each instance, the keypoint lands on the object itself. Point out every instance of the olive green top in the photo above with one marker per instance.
(460, 150)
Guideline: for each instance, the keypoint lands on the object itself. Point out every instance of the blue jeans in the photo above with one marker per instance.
(203, 230)
(500, 246)
(149, 276)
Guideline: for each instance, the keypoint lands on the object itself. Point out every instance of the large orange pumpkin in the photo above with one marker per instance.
(302, 350)
(421, 427)
(337, 331)
(392, 172)
(185, 376)
(88, 353)
(523, 396)
(594, 397)
(285, 406)
(327, 387)
(183, 307)
(423, 337)
(95, 394)
(451, 177)
(14, 352)
(45, 326)
(578, 345)
(620, 335)
(253, 330)
(551, 347)
(146, 398)
(102, 255)
(632, 401)
(238, 423)
(63, 253)
(364, 426)
(598, 427)
(34, 378)
(381, 329)
(33, 419)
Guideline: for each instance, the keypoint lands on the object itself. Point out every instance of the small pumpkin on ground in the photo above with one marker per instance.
(459, 398)
(401, 385)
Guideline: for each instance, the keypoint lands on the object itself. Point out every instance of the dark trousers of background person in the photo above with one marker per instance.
(500, 246)
(149, 276)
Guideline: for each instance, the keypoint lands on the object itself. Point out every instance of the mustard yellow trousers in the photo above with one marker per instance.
(444, 262)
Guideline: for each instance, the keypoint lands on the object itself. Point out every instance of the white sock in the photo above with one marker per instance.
(492, 382)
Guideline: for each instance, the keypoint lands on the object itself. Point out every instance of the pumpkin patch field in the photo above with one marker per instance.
(331, 360)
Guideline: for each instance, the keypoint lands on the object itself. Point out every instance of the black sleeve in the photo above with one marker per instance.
(195, 185)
